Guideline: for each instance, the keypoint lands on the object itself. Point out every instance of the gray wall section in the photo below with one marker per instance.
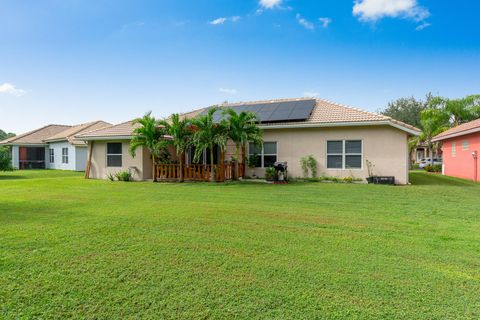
(80, 158)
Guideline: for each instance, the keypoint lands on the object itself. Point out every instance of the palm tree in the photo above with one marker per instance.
(434, 121)
(242, 128)
(149, 135)
(181, 136)
(207, 134)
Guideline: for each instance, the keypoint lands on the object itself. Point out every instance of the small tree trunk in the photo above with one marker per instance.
(237, 159)
(431, 155)
(181, 166)
(154, 169)
(212, 172)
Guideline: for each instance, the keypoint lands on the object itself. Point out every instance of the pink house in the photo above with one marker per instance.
(461, 149)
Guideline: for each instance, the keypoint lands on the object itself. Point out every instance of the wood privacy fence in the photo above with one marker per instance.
(198, 172)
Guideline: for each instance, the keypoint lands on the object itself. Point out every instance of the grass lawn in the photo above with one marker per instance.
(75, 248)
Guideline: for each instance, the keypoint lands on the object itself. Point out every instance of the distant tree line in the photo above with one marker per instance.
(433, 115)
(5, 160)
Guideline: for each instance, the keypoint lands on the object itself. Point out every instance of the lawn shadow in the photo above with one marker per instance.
(12, 177)
(422, 178)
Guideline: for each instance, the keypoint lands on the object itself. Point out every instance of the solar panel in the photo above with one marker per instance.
(275, 111)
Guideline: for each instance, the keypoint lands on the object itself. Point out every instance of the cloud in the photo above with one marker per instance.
(305, 23)
(228, 91)
(309, 94)
(423, 26)
(222, 20)
(373, 10)
(218, 21)
(9, 88)
(325, 22)
(270, 4)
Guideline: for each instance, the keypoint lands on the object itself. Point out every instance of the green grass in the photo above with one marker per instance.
(74, 248)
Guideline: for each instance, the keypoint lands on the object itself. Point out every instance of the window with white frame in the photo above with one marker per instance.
(52, 155)
(454, 149)
(465, 145)
(64, 155)
(114, 154)
(267, 153)
(344, 154)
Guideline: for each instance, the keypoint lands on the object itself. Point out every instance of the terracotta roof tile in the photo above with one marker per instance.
(463, 129)
(70, 133)
(36, 136)
(124, 129)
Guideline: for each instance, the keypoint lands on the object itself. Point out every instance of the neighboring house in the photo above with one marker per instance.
(340, 138)
(51, 147)
(461, 147)
(422, 151)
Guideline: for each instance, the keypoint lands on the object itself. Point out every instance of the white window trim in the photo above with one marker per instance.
(263, 154)
(112, 154)
(65, 156)
(51, 154)
(344, 155)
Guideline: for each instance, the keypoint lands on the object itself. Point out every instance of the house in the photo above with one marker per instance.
(341, 139)
(421, 151)
(461, 146)
(51, 147)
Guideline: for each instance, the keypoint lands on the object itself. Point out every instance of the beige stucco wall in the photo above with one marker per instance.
(385, 146)
(99, 170)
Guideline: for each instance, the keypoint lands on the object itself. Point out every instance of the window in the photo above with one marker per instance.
(52, 155)
(344, 154)
(267, 153)
(465, 145)
(454, 149)
(64, 155)
(114, 154)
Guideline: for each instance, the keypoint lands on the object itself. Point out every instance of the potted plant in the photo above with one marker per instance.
(270, 174)
(253, 161)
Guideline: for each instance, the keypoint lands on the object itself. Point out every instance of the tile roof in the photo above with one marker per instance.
(124, 129)
(463, 129)
(70, 133)
(36, 136)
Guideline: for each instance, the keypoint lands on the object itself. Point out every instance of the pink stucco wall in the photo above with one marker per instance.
(462, 165)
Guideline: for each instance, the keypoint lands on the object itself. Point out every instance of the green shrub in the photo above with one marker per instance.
(270, 173)
(5, 160)
(124, 176)
(434, 168)
(111, 176)
(308, 163)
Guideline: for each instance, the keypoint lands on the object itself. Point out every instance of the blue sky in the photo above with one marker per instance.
(72, 61)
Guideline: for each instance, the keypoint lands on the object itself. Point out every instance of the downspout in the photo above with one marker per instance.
(475, 166)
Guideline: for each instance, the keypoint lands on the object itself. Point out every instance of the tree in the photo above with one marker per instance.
(242, 128)
(5, 160)
(181, 133)
(148, 134)
(207, 134)
(434, 121)
(407, 110)
(458, 110)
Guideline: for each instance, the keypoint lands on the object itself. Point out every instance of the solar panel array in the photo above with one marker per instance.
(275, 111)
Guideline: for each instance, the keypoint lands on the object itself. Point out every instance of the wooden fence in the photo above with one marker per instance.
(198, 172)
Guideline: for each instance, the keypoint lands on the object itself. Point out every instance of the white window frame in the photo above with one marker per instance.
(51, 154)
(343, 154)
(65, 155)
(263, 154)
(113, 154)
(465, 145)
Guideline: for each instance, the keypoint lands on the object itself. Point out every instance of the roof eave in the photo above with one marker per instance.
(456, 134)
(104, 138)
(340, 124)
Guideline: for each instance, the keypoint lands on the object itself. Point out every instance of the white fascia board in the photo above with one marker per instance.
(340, 124)
(456, 134)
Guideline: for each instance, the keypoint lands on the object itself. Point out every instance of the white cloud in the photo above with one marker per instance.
(218, 21)
(228, 91)
(309, 94)
(423, 26)
(373, 10)
(9, 88)
(270, 4)
(305, 23)
(325, 22)
(222, 20)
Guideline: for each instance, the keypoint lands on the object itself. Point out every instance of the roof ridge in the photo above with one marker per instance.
(11, 139)
(263, 101)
